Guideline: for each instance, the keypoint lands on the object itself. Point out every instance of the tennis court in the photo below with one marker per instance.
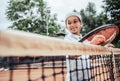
(23, 75)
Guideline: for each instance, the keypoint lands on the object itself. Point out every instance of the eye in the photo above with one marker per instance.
(75, 21)
(69, 23)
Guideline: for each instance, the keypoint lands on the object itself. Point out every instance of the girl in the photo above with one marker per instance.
(78, 68)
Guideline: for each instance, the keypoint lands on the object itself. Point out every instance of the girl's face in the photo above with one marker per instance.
(73, 24)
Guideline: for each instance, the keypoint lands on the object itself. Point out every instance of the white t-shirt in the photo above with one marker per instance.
(73, 65)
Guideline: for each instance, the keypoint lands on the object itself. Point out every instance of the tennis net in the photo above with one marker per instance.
(31, 57)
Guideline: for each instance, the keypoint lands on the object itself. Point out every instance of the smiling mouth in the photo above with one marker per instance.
(73, 28)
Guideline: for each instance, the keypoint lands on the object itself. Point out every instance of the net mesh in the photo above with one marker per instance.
(53, 68)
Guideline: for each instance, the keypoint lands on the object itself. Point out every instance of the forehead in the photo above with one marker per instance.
(71, 18)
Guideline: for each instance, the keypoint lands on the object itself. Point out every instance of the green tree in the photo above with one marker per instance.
(32, 16)
(112, 9)
(90, 19)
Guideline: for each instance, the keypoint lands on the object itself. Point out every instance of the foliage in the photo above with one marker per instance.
(32, 16)
(90, 19)
(112, 9)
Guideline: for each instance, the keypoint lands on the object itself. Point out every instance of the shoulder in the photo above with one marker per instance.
(67, 37)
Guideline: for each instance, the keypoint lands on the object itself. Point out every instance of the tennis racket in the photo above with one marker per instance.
(109, 31)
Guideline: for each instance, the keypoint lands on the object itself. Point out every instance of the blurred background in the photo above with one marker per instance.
(46, 17)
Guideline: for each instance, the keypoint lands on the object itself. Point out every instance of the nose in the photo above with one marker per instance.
(72, 24)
